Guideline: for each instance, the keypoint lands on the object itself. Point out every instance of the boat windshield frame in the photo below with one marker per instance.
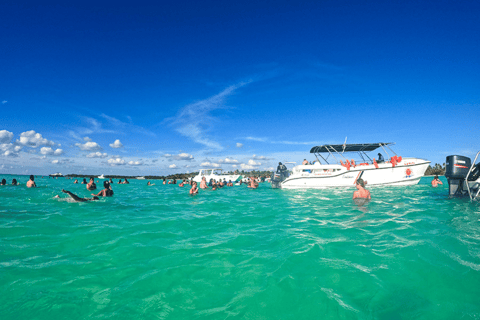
(340, 149)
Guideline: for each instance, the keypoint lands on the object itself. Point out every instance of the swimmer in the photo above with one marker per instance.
(229, 184)
(31, 183)
(3, 183)
(14, 182)
(361, 192)
(75, 182)
(203, 183)
(91, 185)
(77, 198)
(253, 183)
(181, 184)
(126, 181)
(164, 181)
(194, 189)
(84, 181)
(150, 184)
(436, 181)
(106, 192)
(110, 181)
(214, 186)
(119, 181)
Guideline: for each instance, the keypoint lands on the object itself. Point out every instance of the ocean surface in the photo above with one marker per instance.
(154, 252)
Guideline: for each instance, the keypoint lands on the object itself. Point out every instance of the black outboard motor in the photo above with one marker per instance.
(456, 171)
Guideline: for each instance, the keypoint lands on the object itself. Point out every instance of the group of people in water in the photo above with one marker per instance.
(253, 183)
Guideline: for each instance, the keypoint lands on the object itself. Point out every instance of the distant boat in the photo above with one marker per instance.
(140, 178)
(217, 175)
(58, 174)
(101, 177)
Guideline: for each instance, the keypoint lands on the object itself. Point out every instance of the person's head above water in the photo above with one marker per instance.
(361, 183)
(32, 177)
(106, 185)
(436, 176)
(4, 182)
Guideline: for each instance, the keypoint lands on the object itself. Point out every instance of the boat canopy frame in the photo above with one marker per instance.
(340, 149)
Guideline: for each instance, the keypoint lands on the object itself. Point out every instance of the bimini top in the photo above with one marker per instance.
(364, 147)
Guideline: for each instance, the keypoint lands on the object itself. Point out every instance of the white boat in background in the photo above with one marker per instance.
(140, 178)
(344, 172)
(101, 177)
(58, 174)
(215, 174)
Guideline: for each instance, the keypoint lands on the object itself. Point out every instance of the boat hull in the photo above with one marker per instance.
(408, 172)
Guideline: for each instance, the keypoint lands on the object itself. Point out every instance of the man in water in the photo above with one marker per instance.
(361, 192)
(31, 183)
(253, 183)
(106, 192)
(203, 183)
(436, 182)
(91, 185)
(77, 198)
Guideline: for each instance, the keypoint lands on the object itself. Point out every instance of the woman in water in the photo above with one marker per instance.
(194, 189)
(84, 181)
(91, 185)
(361, 192)
(436, 182)
(14, 182)
(4, 182)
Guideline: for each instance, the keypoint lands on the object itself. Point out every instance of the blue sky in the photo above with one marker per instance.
(165, 87)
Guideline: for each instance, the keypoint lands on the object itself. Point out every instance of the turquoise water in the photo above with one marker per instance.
(158, 253)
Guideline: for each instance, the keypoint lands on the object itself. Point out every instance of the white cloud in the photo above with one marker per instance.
(228, 160)
(246, 166)
(97, 155)
(89, 146)
(239, 145)
(180, 156)
(209, 164)
(269, 169)
(116, 162)
(255, 157)
(5, 136)
(87, 139)
(257, 139)
(33, 139)
(194, 120)
(50, 151)
(254, 163)
(135, 163)
(4, 101)
(117, 144)
(172, 166)
(10, 150)
(10, 154)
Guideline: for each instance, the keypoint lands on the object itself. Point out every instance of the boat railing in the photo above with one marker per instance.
(472, 197)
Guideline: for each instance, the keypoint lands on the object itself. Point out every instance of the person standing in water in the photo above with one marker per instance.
(91, 185)
(436, 181)
(106, 192)
(203, 183)
(361, 192)
(194, 189)
(14, 182)
(31, 183)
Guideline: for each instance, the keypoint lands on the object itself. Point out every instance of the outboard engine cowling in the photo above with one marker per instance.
(456, 171)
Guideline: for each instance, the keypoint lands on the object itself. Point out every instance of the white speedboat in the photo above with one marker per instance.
(215, 174)
(101, 177)
(140, 178)
(342, 171)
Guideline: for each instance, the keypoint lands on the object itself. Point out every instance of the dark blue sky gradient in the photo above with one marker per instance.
(316, 71)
